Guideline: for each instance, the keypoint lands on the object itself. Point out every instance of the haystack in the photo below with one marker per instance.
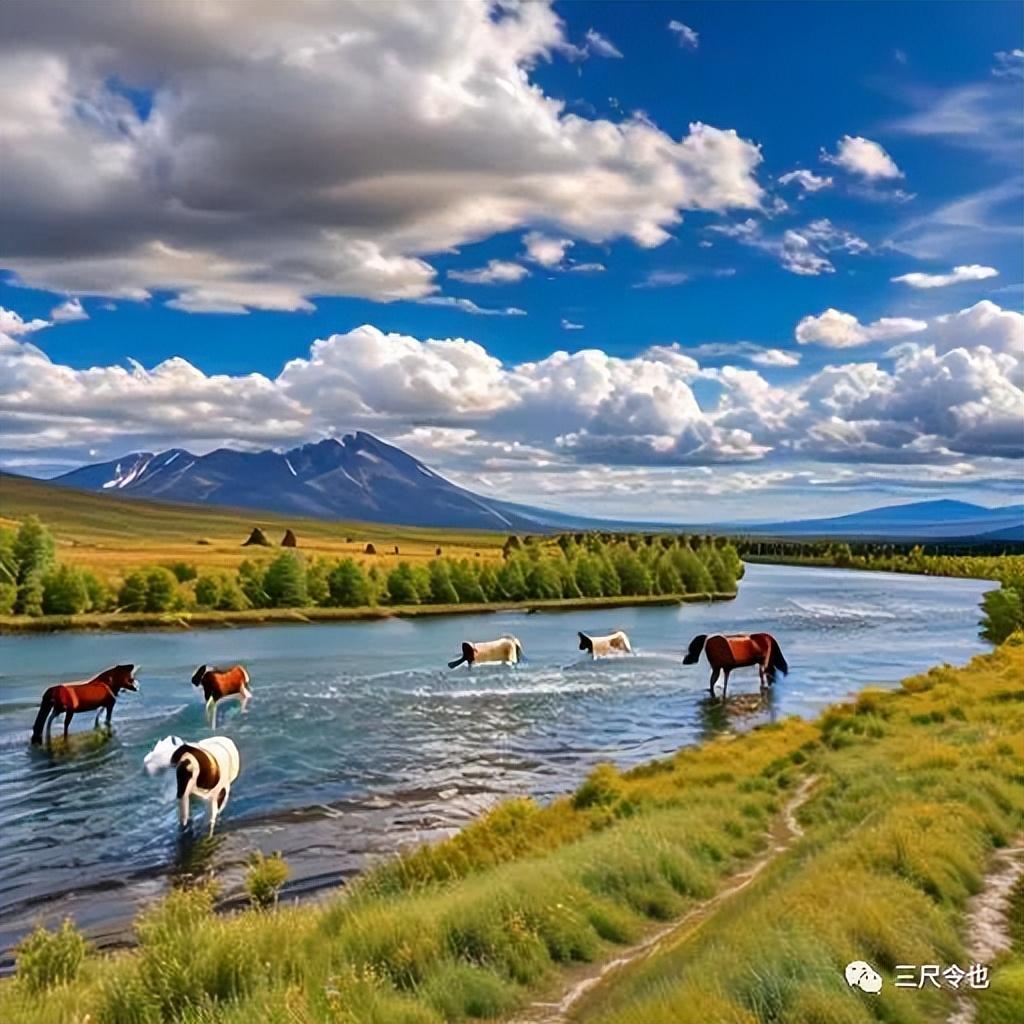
(289, 540)
(257, 537)
(369, 550)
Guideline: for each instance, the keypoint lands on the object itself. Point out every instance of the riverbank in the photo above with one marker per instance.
(916, 789)
(124, 622)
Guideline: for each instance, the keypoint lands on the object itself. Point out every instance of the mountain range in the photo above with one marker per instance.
(363, 478)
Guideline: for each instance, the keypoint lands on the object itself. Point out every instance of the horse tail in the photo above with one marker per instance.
(693, 651)
(520, 656)
(45, 707)
(777, 662)
(467, 655)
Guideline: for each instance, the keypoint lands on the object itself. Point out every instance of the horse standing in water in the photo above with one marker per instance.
(67, 698)
(218, 683)
(507, 649)
(602, 646)
(205, 769)
(737, 651)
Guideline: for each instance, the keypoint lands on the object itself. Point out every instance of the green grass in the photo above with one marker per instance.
(916, 788)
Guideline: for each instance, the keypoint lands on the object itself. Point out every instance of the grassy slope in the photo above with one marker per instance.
(110, 534)
(917, 787)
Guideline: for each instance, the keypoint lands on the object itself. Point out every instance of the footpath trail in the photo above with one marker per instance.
(784, 831)
(988, 920)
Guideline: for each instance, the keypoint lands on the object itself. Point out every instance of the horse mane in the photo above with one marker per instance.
(696, 646)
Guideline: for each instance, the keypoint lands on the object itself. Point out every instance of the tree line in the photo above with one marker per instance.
(571, 566)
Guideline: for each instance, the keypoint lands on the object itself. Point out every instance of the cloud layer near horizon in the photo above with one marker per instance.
(951, 390)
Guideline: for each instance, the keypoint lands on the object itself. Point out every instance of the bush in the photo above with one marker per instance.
(347, 585)
(149, 590)
(1002, 613)
(402, 585)
(64, 592)
(264, 879)
(45, 959)
(284, 582)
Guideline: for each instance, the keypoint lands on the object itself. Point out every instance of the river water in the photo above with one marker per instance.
(359, 739)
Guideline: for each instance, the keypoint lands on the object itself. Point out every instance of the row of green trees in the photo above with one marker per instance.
(573, 566)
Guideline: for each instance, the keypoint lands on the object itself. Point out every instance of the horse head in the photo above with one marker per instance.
(197, 678)
(586, 644)
(160, 756)
(120, 677)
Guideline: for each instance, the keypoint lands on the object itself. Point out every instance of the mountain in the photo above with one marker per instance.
(357, 477)
(920, 520)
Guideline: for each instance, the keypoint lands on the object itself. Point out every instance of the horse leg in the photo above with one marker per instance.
(725, 682)
(67, 721)
(762, 671)
(714, 679)
(110, 713)
(49, 724)
(211, 712)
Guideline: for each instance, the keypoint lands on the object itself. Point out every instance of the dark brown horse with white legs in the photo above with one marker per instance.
(737, 651)
(218, 683)
(97, 694)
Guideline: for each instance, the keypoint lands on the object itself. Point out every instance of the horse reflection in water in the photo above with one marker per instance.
(736, 714)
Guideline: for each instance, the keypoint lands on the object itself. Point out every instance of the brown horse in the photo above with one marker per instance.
(218, 683)
(95, 695)
(737, 651)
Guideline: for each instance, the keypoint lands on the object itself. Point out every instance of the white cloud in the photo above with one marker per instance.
(597, 43)
(663, 279)
(545, 250)
(799, 250)
(568, 325)
(585, 268)
(863, 157)
(395, 136)
(11, 323)
(807, 180)
(469, 306)
(68, 311)
(1009, 64)
(835, 329)
(496, 272)
(969, 272)
(687, 36)
(953, 389)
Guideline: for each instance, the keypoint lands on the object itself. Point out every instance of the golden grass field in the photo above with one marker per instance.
(113, 535)
(914, 792)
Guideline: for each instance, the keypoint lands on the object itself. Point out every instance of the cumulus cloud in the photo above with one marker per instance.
(951, 389)
(836, 329)
(545, 250)
(969, 272)
(496, 272)
(68, 311)
(12, 323)
(687, 36)
(1009, 64)
(862, 157)
(148, 149)
(807, 180)
(801, 250)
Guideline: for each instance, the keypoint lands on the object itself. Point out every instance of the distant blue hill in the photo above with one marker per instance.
(919, 520)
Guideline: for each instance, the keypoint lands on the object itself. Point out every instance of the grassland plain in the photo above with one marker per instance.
(110, 535)
(917, 788)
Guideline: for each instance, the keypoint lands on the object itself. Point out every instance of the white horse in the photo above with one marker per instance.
(205, 769)
(601, 646)
(506, 649)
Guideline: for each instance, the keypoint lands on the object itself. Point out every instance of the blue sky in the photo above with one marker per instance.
(739, 345)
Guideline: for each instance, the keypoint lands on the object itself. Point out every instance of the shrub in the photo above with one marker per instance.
(64, 592)
(45, 958)
(284, 582)
(347, 584)
(264, 879)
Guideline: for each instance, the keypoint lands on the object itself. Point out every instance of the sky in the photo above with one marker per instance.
(678, 260)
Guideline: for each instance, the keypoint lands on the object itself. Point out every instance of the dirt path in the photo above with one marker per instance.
(783, 832)
(988, 920)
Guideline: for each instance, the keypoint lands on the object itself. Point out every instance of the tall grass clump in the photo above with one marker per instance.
(45, 959)
(264, 879)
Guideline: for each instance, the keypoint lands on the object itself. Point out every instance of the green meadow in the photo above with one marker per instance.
(914, 790)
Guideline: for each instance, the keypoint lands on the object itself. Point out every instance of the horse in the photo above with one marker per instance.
(506, 649)
(600, 646)
(737, 651)
(98, 693)
(218, 683)
(205, 769)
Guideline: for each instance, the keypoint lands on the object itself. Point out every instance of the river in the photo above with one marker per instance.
(358, 739)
